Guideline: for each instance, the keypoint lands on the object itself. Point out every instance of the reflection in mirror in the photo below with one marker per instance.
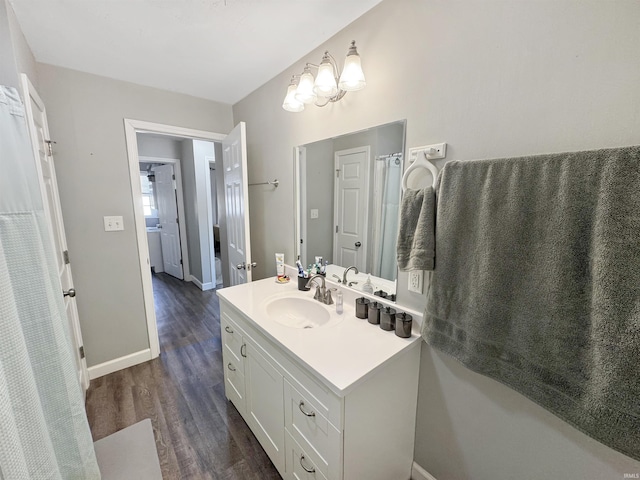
(348, 197)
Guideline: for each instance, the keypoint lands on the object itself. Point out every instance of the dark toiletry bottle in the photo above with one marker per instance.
(362, 307)
(403, 325)
(374, 313)
(388, 319)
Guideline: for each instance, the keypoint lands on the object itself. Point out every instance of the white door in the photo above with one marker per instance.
(165, 187)
(234, 162)
(351, 211)
(41, 143)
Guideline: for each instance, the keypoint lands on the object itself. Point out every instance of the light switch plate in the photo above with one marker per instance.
(314, 213)
(113, 223)
(415, 281)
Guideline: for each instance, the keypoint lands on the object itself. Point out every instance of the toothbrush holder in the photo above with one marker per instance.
(302, 284)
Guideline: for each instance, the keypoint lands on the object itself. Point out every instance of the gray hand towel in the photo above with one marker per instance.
(416, 235)
(538, 283)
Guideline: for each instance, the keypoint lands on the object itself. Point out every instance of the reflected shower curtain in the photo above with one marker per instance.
(44, 432)
(387, 179)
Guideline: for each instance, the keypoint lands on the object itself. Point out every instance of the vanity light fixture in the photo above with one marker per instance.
(329, 85)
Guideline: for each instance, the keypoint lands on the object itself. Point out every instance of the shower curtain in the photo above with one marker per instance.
(387, 177)
(44, 432)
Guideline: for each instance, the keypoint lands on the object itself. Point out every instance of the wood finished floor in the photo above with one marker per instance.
(199, 433)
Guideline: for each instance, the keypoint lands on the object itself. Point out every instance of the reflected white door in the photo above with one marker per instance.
(351, 211)
(165, 188)
(234, 162)
(40, 141)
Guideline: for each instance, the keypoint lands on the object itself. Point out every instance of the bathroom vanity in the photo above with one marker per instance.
(329, 397)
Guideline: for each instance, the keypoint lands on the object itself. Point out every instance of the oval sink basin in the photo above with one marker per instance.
(298, 312)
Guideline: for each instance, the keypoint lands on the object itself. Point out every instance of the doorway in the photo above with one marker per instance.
(164, 212)
(207, 148)
(165, 151)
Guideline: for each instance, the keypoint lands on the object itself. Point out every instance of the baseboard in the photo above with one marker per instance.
(116, 364)
(203, 286)
(419, 473)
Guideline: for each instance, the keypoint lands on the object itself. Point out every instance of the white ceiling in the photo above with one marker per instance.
(216, 49)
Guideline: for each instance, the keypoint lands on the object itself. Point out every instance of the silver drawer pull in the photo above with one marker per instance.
(308, 414)
(308, 470)
(231, 367)
(228, 329)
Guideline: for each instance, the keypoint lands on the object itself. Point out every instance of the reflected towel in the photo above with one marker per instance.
(538, 283)
(416, 235)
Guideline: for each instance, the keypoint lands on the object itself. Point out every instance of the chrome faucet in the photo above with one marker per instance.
(344, 275)
(322, 293)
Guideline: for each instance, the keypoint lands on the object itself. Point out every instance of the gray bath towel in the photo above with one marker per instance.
(537, 283)
(416, 235)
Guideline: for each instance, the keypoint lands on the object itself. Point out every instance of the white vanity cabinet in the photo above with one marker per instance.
(310, 428)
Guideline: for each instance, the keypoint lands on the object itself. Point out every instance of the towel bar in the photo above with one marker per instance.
(275, 183)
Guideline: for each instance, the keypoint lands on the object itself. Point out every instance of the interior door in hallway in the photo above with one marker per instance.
(234, 161)
(351, 214)
(165, 188)
(43, 151)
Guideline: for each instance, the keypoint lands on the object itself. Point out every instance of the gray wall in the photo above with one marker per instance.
(191, 209)
(492, 79)
(150, 145)
(319, 194)
(15, 54)
(85, 114)
(222, 215)
(201, 150)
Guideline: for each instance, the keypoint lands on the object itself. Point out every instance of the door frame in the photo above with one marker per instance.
(131, 128)
(177, 171)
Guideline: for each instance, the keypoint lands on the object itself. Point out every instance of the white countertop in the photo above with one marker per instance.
(341, 355)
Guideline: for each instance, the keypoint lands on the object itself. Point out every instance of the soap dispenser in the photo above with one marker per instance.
(367, 287)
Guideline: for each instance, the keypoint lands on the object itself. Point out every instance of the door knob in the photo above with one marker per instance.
(253, 264)
(358, 244)
(69, 293)
(242, 265)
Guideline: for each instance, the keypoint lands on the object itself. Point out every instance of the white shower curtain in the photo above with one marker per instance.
(388, 174)
(44, 432)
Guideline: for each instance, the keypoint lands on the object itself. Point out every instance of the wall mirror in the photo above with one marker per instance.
(348, 192)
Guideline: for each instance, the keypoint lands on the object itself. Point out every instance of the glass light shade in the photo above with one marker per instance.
(325, 85)
(352, 77)
(304, 92)
(290, 103)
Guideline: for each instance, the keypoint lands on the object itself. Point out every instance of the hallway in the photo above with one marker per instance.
(199, 434)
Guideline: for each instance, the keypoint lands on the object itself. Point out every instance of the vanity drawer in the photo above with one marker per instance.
(299, 465)
(320, 439)
(234, 385)
(232, 338)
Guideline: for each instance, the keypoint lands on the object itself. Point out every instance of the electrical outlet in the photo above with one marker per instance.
(113, 223)
(314, 213)
(415, 281)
